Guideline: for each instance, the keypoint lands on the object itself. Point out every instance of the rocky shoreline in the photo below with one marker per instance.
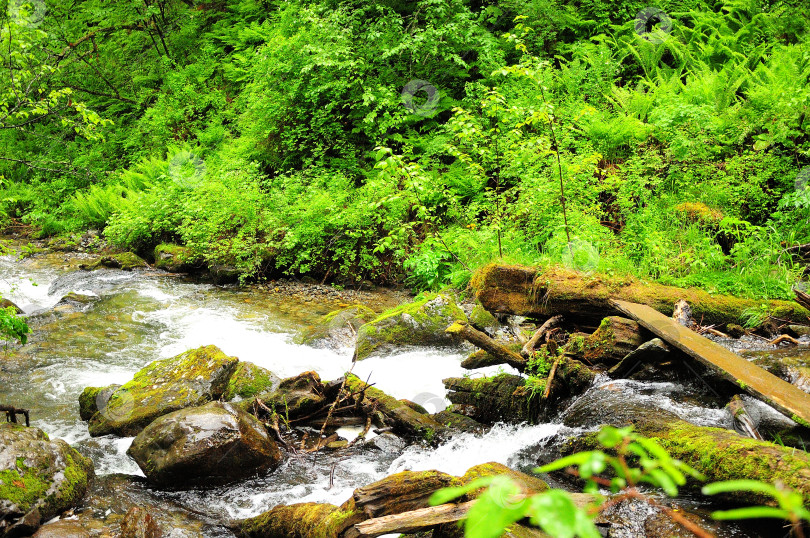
(203, 418)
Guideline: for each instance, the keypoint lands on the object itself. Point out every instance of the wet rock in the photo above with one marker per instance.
(5, 303)
(528, 484)
(303, 520)
(421, 323)
(458, 422)
(736, 331)
(617, 408)
(224, 273)
(509, 398)
(94, 399)
(76, 301)
(387, 443)
(64, 528)
(126, 261)
(483, 320)
(405, 420)
(189, 379)
(248, 380)
(482, 359)
(799, 330)
(791, 364)
(215, 443)
(139, 523)
(504, 397)
(38, 474)
(337, 329)
(718, 453)
(653, 360)
(295, 396)
(176, 258)
(611, 342)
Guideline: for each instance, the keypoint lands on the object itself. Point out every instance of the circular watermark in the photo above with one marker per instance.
(116, 406)
(186, 169)
(802, 179)
(581, 256)
(431, 402)
(28, 13)
(426, 109)
(653, 24)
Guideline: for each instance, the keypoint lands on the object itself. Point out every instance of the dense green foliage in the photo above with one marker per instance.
(275, 136)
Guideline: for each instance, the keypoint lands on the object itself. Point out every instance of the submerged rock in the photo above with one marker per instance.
(420, 323)
(248, 380)
(337, 329)
(792, 365)
(189, 379)
(64, 528)
(176, 258)
(213, 444)
(139, 523)
(126, 261)
(39, 477)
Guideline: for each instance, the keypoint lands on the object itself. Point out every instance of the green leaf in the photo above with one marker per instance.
(752, 512)
(740, 485)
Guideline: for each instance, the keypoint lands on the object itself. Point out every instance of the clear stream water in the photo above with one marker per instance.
(142, 316)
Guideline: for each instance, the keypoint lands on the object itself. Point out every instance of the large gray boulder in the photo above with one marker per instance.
(190, 379)
(39, 478)
(213, 444)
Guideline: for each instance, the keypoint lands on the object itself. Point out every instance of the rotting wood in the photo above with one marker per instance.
(550, 323)
(479, 339)
(407, 522)
(786, 398)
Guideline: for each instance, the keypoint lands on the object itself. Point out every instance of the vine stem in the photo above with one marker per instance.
(559, 168)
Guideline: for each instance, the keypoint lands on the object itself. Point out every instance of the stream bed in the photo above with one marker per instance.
(141, 316)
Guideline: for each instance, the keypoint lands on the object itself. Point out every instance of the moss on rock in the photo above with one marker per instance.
(176, 258)
(337, 328)
(303, 520)
(420, 323)
(126, 261)
(248, 380)
(189, 379)
(37, 472)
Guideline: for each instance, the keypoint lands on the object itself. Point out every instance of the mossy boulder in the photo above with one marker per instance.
(302, 520)
(529, 484)
(77, 300)
(718, 453)
(190, 379)
(483, 320)
(126, 261)
(94, 399)
(248, 380)
(38, 476)
(420, 323)
(337, 329)
(503, 397)
(294, 397)
(5, 303)
(216, 443)
(458, 422)
(615, 338)
(176, 258)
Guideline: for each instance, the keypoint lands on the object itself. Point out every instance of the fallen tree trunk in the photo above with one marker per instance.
(550, 323)
(546, 291)
(505, 355)
(759, 383)
(415, 521)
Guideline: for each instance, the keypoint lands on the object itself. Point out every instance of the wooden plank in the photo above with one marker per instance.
(761, 384)
(413, 521)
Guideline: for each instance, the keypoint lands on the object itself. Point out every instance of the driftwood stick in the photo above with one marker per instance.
(550, 323)
(477, 338)
(550, 378)
(408, 522)
(12, 412)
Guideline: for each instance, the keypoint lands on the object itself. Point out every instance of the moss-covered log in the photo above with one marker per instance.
(615, 338)
(545, 291)
(503, 354)
(719, 454)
